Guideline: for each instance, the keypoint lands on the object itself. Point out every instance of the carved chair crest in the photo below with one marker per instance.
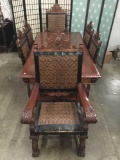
(56, 8)
(90, 27)
(20, 37)
(26, 26)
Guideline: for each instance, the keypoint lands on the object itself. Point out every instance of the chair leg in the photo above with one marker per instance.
(35, 149)
(88, 89)
(81, 149)
(35, 138)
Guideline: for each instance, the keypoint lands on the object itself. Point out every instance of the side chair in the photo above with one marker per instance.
(23, 46)
(95, 45)
(56, 19)
(88, 34)
(23, 51)
(94, 48)
(28, 33)
(58, 103)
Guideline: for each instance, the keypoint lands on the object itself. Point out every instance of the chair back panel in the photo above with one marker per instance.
(56, 19)
(30, 37)
(25, 49)
(56, 22)
(58, 72)
(88, 34)
(28, 33)
(95, 46)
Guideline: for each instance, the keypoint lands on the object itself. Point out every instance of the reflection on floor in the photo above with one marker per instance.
(104, 137)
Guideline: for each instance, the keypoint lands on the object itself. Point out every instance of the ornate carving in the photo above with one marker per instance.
(27, 117)
(97, 37)
(90, 115)
(89, 31)
(59, 40)
(26, 26)
(90, 27)
(56, 8)
(95, 46)
(20, 37)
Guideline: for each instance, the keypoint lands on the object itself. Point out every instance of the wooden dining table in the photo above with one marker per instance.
(90, 73)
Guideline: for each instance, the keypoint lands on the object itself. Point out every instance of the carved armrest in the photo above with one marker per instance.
(90, 116)
(27, 116)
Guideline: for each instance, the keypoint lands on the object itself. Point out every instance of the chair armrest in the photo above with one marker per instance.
(27, 116)
(90, 116)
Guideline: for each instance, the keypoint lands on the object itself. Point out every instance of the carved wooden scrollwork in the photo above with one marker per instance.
(26, 26)
(97, 37)
(90, 115)
(59, 40)
(56, 8)
(27, 117)
(20, 37)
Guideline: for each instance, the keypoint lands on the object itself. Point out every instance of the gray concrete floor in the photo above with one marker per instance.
(104, 137)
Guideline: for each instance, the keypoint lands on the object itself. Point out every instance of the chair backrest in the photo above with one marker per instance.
(95, 46)
(56, 19)
(59, 71)
(28, 33)
(23, 47)
(89, 31)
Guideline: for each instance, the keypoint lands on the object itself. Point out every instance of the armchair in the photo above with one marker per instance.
(58, 103)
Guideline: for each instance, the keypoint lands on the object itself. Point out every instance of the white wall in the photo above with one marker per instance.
(115, 34)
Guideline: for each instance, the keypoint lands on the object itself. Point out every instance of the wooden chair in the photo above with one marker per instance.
(58, 103)
(23, 46)
(94, 48)
(56, 19)
(23, 51)
(89, 31)
(28, 33)
(95, 45)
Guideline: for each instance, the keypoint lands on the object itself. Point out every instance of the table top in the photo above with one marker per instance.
(89, 69)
